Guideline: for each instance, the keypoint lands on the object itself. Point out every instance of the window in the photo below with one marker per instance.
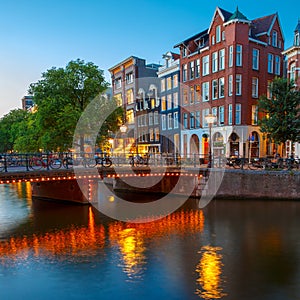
(230, 85)
(215, 62)
(163, 103)
(197, 71)
(274, 38)
(175, 100)
(197, 119)
(255, 59)
(163, 85)
(213, 40)
(277, 65)
(184, 51)
(129, 78)
(184, 72)
(230, 114)
(169, 101)
(238, 114)
(192, 120)
(230, 56)
(156, 130)
(270, 62)
(254, 117)
(222, 59)
(221, 87)
(169, 83)
(197, 93)
(214, 89)
(175, 80)
(239, 56)
(205, 91)
(150, 118)
(151, 134)
(218, 34)
(238, 84)
(221, 115)
(176, 120)
(163, 122)
(223, 35)
(292, 71)
(185, 97)
(192, 70)
(205, 65)
(205, 112)
(185, 121)
(129, 96)
(214, 111)
(130, 116)
(192, 95)
(255, 87)
(297, 39)
(156, 117)
(118, 83)
(119, 99)
(170, 121)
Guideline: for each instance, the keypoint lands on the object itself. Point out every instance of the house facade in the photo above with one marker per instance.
(292, 55)
(224, 70)
(130, 79)
(169, 75)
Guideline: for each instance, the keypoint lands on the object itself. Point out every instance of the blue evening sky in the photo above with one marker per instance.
(36, 35)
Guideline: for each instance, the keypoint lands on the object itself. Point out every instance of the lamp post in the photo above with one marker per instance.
(210, 119)
(123, 130)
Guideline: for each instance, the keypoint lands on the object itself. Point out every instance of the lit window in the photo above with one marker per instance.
(169, 83)
(163, 84)
(175, 100)
(175, 80)
(163, 103)
(254, 117)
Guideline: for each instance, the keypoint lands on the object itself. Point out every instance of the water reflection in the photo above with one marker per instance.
(210, 273)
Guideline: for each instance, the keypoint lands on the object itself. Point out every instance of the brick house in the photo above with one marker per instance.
(224, 70)
(292, 55)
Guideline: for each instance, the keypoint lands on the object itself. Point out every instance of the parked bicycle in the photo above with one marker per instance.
(138, 160)
(103, 161)
(37, 163)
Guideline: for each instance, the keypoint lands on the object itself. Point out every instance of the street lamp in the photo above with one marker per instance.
(123, 130)
(210, 120)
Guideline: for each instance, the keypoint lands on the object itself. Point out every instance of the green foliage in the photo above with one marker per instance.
(281, 113)
(10, 125)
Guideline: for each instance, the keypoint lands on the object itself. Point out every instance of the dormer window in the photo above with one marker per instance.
(274, 38)
(184, 51)
(297, 39)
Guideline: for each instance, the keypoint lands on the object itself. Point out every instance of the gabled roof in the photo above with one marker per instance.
(194, 37)
(224, 14)
(262, 25)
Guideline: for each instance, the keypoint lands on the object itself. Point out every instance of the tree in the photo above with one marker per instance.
(8, 128)
(281, 112)
(61, 96)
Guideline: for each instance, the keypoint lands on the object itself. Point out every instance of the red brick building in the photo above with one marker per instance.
(224, 70)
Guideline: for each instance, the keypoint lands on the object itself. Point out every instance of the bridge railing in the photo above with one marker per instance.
(50, 160)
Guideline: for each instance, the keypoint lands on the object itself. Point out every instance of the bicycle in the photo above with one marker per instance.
(138, 160)
(104, 161)
(37, 163)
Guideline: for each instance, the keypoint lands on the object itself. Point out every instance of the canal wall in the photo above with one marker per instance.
(260, 184)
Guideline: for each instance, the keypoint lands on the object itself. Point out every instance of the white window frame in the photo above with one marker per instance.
(239, 55)
(277, 65)
(215, 62)
(214, 87)
(163, 122)
(222, 59)
(221, 117)
(184, 72)
(238, 84)
(255, 59)
(218, 34)
(230, 85)
(254, 87)
(238, 114)
(205, 65)
(229, 114)
(170, 121)
(270, 63)
(197, 68)
(205, 91)
(176, 122)
(230, 56)
(221, 87)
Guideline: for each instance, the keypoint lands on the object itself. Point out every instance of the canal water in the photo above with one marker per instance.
(228, 250)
